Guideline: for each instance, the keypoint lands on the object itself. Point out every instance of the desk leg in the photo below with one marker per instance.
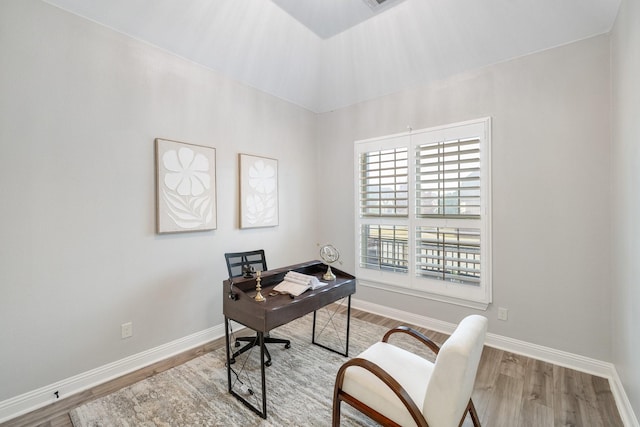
(248, 404)
(226, 335)
(346, 348)
(262, 372)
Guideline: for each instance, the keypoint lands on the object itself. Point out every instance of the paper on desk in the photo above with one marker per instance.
(292, 288)
(295, 283)
(303, 279)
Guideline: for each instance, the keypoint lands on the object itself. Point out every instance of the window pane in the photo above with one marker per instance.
(384, 247)
(451, 254)
(383, 183)
(448, 178)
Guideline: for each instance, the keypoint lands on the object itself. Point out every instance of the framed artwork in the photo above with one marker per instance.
(185, 187)
(258, 191)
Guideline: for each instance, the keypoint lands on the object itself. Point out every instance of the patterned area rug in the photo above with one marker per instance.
(299, 384)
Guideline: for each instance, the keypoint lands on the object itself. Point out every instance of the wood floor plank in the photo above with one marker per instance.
(61, 421)
(539, 382)
(537, 395)
(534, 414)
(485, 384)
(587, 400)
(606, 403)
(588, 403)
(505, 403)
(566, 402)
(513, 365)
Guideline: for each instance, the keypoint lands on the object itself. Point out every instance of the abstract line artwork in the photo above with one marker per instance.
(186, 187)
(258, 191)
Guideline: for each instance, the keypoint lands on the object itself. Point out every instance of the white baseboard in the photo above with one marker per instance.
(27, 402)
(622, 401)
(556, 357)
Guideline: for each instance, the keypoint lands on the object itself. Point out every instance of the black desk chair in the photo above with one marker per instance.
(245, 264)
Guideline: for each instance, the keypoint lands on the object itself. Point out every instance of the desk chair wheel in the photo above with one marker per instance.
(237, 344)
(288, 345)
(267, 363)
(232, 361)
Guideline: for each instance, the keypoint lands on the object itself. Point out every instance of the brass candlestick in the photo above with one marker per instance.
(258, 296)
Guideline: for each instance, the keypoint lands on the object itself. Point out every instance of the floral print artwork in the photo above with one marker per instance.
(189, 172)
(186, 184)
(259, 191)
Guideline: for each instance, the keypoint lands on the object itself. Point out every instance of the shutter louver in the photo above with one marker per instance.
(384, 183)
(451, 254)
(384, 247)
(448, 179)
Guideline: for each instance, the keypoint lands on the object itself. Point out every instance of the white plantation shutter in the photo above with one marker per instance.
(451, 254)
(385, 247)
(383, 183)
(448, 178)
(422, 217)
(448, 185)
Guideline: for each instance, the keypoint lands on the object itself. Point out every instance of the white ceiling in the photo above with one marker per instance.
(269, 44)
(327, 18)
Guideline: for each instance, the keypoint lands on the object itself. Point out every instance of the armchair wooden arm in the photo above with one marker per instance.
(340, 395)
(415, 334)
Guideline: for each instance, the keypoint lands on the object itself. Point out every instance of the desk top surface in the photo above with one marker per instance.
(280, 309)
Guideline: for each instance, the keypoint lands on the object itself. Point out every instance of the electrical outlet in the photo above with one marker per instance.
(127, 330)
(503, 313)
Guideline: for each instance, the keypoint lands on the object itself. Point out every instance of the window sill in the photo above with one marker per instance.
(477, 305)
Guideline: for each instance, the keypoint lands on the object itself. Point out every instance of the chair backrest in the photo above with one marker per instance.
(238, 262)
(454, 373)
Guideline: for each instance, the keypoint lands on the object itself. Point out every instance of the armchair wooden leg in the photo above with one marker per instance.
(335, 418)
(474, 415)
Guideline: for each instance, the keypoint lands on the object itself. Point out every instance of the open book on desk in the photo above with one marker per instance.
(295, 283)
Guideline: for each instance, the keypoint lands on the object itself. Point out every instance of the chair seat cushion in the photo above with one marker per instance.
(410, 370)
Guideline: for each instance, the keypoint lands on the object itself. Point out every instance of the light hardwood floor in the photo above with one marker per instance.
(510, 390)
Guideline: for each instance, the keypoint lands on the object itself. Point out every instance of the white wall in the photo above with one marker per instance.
(80, 106)
(626, 198)
(551, 219)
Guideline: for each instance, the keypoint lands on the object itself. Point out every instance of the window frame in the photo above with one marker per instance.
(409, 283)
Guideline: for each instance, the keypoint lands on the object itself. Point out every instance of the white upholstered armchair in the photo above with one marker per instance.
(398, 388)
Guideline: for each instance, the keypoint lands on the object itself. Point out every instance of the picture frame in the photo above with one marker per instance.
(258, 191)
(185, 187)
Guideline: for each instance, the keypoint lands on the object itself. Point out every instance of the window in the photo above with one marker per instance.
(423, 217)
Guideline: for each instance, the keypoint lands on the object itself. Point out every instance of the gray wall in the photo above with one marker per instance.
(80, 106)
(625, 264)
(551, 142)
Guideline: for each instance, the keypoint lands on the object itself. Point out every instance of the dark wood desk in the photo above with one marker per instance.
(240, 306)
